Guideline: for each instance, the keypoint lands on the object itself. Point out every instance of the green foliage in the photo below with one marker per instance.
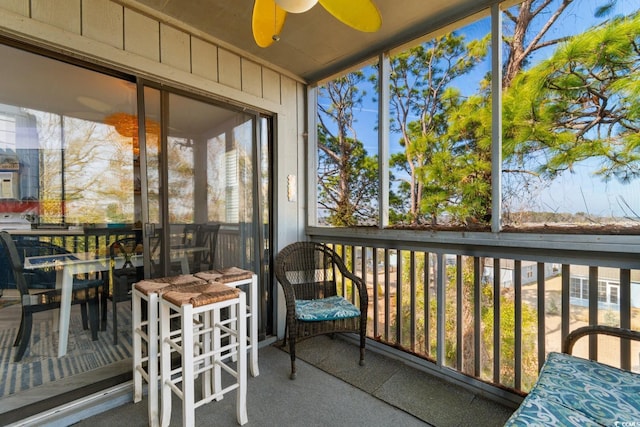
(507, 341)
(580, 103)
(347, 176)
(447, 165)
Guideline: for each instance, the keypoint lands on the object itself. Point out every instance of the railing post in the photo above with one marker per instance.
(441, 306)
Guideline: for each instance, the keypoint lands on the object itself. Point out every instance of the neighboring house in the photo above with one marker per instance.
(528, 269)
(608, 281)
(608, 287)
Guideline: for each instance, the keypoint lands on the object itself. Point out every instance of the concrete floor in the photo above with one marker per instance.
(331, 389)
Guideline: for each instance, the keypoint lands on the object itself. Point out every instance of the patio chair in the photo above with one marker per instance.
(207, 237)
(84, 292)
(183, 236)
(118, 287)
(309, 274)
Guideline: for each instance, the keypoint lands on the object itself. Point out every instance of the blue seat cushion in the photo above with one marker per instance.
(576, 391)
(332, 308)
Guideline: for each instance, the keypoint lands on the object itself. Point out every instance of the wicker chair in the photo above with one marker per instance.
(309, 273)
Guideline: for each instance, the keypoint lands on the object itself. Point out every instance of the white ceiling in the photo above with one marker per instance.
(314, 45)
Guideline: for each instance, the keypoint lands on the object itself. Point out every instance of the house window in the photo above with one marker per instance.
(608, 291)
(579, 288)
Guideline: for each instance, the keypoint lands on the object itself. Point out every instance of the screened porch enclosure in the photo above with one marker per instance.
(490, 215)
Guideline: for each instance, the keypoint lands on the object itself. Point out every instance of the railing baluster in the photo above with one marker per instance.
(496, 320)
(459, 312)
(387, 297)
(376, 308)
(477, 315)
(363, 266)
(625, 316)
(517, 307)
(441, 285)
(593, 310)
(427, 303)
(399, 320)
(542, 351)
(412, 297)
(566, 301)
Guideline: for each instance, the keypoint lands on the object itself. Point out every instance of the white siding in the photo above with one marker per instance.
(251, 78)
(271, 85)
(175, 48)
(64, 14)
(17, 6)
(141, 35)
(229, 70)
(103, 21)
(204, 61)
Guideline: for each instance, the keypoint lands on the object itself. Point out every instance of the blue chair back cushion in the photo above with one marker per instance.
(572, 391)
(332, 308)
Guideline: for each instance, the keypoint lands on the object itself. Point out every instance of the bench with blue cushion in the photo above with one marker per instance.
(572, 391)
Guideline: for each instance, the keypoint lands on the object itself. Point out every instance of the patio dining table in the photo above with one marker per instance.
(69, 265)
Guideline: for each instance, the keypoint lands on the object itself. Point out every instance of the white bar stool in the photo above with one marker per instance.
(201, 350)
(237, 277)
(146, 333)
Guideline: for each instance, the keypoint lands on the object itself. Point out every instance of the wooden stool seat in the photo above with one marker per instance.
(199, 294)
(225, 275)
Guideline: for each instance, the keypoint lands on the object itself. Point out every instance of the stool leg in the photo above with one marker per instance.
(206, 349)
(137, 346)
(165, 361)
(152, 364)
(217, 343)
(253, 338)
(241, 399)
(233, 314)
(188, 394)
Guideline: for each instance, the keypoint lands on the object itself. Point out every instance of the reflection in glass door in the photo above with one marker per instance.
(149, 180)
(210, 187)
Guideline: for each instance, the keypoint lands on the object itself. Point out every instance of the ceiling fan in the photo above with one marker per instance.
(269, 16)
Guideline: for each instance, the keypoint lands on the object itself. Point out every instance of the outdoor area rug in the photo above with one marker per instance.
(40, 364)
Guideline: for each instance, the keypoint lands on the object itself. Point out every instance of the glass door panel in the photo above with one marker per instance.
(210, 181)
(151, 196)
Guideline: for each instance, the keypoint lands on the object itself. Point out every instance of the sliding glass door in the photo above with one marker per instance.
(204, 210)
(89, 157)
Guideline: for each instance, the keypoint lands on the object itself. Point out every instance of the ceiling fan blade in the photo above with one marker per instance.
(266, 22)
(363, 15)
